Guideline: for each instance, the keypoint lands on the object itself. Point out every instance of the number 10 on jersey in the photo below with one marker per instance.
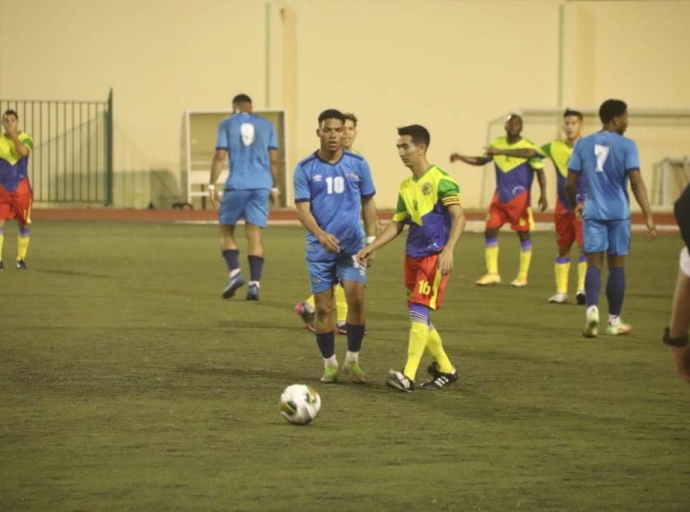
(335, 185)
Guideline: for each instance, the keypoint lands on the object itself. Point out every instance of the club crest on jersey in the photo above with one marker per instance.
(352, 176)
(427, 189)
(247, 133)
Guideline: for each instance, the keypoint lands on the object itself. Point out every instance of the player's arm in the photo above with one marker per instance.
(445, 259)
(541, 179)
(518, 153)
(304, 215)
(217, 164)
(393, 229)
(275, 173)
(472, 160)
(639, 189)
(571, 188)
(370, 216)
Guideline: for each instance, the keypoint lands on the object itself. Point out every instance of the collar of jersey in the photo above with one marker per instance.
(342, 155)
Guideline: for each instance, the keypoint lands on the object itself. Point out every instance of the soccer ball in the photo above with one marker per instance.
(299, 404)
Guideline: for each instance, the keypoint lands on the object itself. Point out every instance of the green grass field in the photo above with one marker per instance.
(129, 385)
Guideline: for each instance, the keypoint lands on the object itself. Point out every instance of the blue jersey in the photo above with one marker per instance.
(605, 158)
(248, 137)
(335, 192)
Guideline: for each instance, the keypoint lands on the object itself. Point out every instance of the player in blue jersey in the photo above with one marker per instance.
(429, 202)
(332, 188)
(607, 160)
(676, 334)
(252, 145)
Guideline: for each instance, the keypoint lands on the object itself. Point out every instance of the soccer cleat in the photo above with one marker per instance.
(397, 380)
(341, 329)
(592, 324)
(354, 372)
(580, 298)
(253, 292)
(488, 280)
(233, 285)
(618, 330)
(519, 282)
(330, 374)
(306, 315)
(440, 380)
(21, 264)
(2, 267)
(559, 298)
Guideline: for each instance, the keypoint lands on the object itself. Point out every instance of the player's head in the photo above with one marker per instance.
(614, 115)
(242, 103)
(572, 124)
(330, 130)
(413, 142)
(10, 118)
(513, 125)
(350, 130)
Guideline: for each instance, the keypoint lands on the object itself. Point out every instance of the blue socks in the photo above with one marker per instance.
(615, 290)
(355, 335)
(592, 286)
(231, 258)
(326, 343)
(256, 266)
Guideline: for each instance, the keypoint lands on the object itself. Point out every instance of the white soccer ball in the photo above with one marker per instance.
(299, 404)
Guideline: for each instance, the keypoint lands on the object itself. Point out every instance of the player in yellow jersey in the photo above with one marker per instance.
(568, 226)
(307, 308)
(16, 195)
(511, 201)
(429, 202)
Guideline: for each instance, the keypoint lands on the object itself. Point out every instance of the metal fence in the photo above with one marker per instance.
(72, 159)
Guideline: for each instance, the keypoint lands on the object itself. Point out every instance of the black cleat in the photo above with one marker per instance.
(253, 292)
(439, 380)
(397, 380)
(233, 284)
(2, 266)
(580, 298)
(21, 264)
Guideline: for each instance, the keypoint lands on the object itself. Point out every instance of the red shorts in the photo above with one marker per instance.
(517, 211)
(568, 228)
(16, 204)
(424, 282)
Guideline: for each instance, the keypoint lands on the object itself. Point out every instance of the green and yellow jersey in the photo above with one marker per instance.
(514, 175)
(13, 167)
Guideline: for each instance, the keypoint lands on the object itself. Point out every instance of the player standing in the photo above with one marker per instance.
(429, 202)
(511, 201)
(332, 188)
(252, 145)
(568, 226)
(607, 159)
(16, 195)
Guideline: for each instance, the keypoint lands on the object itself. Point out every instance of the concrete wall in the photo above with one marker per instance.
(451, 65)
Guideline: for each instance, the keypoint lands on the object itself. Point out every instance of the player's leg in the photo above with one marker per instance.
(322, 276)
(305, 310)
(340, 309)
(580, 296)
(2, 241)
(619, 243)
(231, 208)
(565, 236)
(5, 213)
(256, 217)
(596, 244)
(522, 222)
(353, 277)
(497, 217)
(20, 203)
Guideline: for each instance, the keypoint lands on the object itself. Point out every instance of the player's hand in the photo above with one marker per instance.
(364, 255)
(543, 204)
(214, 197)
(578, 211)
(681, 359)
(454, 157)
(651, 229)
(445, 262)
(274, 196)
(329, 242)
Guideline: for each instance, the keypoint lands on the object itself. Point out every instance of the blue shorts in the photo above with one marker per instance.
(324, 273)
(250, 205)
(612, 236)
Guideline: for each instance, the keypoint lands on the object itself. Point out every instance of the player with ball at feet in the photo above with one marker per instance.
(429, 202)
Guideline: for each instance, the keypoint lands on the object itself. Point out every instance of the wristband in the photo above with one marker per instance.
(370, 239)
(674, 342)
(211, 186)
(276, 190)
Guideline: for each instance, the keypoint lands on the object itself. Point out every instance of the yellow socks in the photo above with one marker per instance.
(22, 243)
(525, 259)
(311, 302)
(340, 304)
(435, 347)
(561, 270)
(2, 241)
(581, 272)
(491, 254)
(419, 335)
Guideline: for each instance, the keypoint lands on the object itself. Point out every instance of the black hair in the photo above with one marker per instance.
(610, 109)
(10, 112)
(570, 112)
(417, 133)
(331, 113)
(351, 117)
(241, 98)
(512, 116)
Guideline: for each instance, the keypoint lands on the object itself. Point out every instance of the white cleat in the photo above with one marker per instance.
(592, 324)
(559, 298)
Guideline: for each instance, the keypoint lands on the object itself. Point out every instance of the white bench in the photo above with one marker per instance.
(197, 180)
